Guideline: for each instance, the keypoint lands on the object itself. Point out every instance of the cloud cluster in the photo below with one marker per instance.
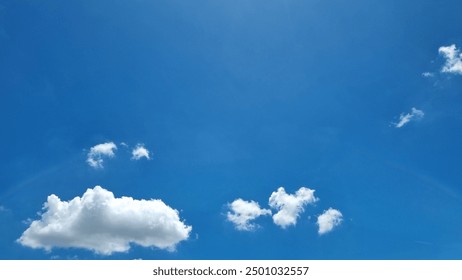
(97, 153)
(452, 62)
(100, 222)
(289, 207)
(453, 57)
(243, 212)
(404, 119)
(452, 65)
(328, 220)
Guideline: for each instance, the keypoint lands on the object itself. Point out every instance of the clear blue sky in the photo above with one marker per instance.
(234, 99)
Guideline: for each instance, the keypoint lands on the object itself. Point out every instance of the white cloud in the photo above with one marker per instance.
(415, 115)
(100, 222)
(98, 152)
(290, 206)
(453, 58)
(243, 212)
(428, 74)
(328, 220)
(139, 152)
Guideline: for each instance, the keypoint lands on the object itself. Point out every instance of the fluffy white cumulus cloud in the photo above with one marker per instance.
(328, 220)
(100, 222)
(140, 152)
(290, 206)
(453, 63)
(414, 115)
(243, 212)
(97, 153)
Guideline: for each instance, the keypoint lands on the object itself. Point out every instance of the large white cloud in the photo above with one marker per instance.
(97, 153)
(453, 63)
(328, 220)
(243, 212)
(139, 152)
(415, 115)
(290, 205)
(100, 222)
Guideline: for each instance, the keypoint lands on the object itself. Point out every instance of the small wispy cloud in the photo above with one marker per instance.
(453, 57)
(428, 74)
(102, 223)
(140, 152)
(244, 212)
(328, 220)
(97, 153)
(404, 119)
(290, 206)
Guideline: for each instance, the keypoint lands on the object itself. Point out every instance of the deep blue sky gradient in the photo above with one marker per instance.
(234, 99)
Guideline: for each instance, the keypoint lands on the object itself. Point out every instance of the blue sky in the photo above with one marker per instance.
(358, 101)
